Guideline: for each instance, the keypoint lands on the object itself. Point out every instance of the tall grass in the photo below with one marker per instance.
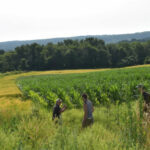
(108, 89)
(118, 117)
(34, 129)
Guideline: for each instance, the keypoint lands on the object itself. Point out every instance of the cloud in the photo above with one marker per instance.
(34, 19)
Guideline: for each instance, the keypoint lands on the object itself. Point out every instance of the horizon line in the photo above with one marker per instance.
(73, 36)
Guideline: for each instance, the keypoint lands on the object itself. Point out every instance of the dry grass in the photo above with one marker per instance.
(138, 66)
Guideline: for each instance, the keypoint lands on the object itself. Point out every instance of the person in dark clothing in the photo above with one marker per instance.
(57, 110)
(146, 96)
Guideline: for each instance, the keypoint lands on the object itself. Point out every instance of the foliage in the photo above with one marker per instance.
(147, 60)
(101, 87)
(73, 54)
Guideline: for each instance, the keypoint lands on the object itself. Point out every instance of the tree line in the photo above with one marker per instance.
(75, 54)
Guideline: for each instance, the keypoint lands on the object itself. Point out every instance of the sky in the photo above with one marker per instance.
(41, 19)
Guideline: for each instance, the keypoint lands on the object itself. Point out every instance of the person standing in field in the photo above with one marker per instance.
(57, 110)
(146, 97)
(88, 111)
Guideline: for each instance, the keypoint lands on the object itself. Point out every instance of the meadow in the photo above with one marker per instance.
(25, 119)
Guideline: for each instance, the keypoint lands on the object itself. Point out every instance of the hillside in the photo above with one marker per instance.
(11, 45)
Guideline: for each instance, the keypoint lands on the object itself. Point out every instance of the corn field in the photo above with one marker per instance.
(118, 85)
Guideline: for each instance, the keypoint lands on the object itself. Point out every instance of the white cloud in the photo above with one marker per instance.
(35, 19)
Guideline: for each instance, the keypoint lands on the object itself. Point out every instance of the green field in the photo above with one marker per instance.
(111, 86)
(118, 117)
(114, 95)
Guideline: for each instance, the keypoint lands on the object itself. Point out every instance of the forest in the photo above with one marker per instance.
(75, 54)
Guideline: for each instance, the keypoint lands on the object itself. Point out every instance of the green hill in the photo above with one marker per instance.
(11, 45)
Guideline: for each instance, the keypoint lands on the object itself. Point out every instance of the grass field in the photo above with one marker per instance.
(25, 125)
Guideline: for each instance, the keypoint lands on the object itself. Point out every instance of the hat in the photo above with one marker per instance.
(58, 100)
(140, 86)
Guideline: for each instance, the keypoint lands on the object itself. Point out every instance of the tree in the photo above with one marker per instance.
(147, 60)
(128, 61)
(2, 51)
(140, 52)
(70, 54)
